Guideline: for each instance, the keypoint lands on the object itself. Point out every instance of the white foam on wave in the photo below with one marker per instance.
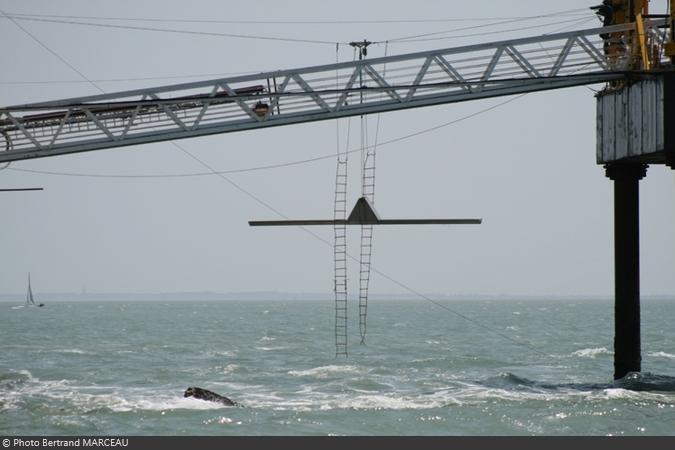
(592, 352)
(661, 355)
(25, 386)
(75, 351)
(636, 396)
(480, 394)
(385, 402)
(89, 399)
(222, 420)
(321, 401)
(472, 395)
(325, 371)
(84, 399)
(228, 369)
(161, 403)
(425, 360)
(26, 374)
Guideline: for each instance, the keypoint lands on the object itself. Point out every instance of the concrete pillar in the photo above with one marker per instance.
(627, 354)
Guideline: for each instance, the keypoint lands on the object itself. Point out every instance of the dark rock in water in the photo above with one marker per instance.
(204, 394)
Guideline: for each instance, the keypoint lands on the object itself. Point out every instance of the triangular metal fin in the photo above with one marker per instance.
(363, 213)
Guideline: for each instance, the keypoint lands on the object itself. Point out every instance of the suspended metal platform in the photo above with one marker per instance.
(364, 214)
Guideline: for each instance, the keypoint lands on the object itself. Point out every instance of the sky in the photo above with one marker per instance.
(527, 168)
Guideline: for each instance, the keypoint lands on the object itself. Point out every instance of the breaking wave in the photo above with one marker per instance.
(592, 352)
(325, 371)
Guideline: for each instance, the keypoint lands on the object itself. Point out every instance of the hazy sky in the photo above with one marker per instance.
(527, 168)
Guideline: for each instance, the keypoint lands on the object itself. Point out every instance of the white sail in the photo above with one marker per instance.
(29, 295)
(30, 301)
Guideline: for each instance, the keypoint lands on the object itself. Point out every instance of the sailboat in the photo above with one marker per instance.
(30, 301)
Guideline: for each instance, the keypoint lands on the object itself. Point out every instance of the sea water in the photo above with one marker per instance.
(516, 367)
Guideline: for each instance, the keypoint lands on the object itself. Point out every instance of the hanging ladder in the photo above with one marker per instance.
(367, 191)
(340, 256)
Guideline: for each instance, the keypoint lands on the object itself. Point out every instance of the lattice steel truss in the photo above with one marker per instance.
(308, 94)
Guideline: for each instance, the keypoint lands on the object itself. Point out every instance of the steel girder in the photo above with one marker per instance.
(314, 93)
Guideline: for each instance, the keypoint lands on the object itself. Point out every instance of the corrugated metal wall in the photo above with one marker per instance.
(630, 122)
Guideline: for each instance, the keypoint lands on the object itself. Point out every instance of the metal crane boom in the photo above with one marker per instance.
(309, 94)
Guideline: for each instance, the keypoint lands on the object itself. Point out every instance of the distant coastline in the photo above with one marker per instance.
(290, 296)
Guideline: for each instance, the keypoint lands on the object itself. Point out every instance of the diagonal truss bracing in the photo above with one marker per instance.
(309, 94)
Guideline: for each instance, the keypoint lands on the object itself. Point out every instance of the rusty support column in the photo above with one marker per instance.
(627, 354)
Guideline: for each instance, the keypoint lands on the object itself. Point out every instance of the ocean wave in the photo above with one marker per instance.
(425, 360)
(19, 385)
(88, 400)
(467, 395)
(228, 369)
(222, 420)
(646, 381)
(220, 353)
(505, 387)
(389, 402)
(325, 371)
(563, 394)
(9, 383)
(592, 352)
(165, 403)
(75, 351)
(661, 355)
(321, 401)
(18, 375)
(269, 349)
(20, 388)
